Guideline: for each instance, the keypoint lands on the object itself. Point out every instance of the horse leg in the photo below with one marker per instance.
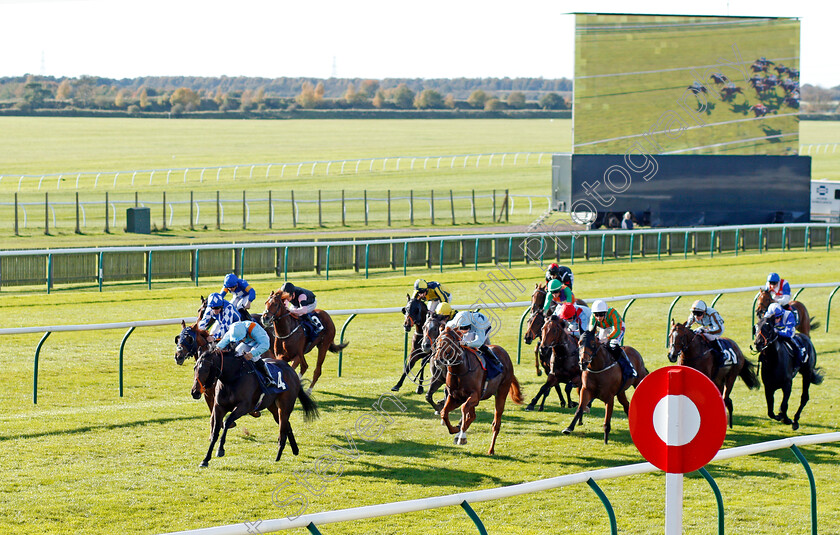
(497, 419)
(215, 426)
(322, 353)
(544, 389)
(444, 415)
(608, 418)
(537, 363)
(727, 400)
(435, 384)
(786, 390)
(467, 417)
(584, 400)
(568, 389)
(768, 395)
(622, 398)
(552, 382)
(240, 410)
(806, 385)
(396, 387)
(560, 395)
(303, 364)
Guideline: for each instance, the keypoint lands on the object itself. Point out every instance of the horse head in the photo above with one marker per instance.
(535, 324)
(763, 302)
(538, 298)
(186, 344)
(551, 335)
(588, 348)
(415, 311)
(202, 307)
(274, 309)
(678, 340)
(765, 335)
(448, 350)
(207, 370)
(431, 331)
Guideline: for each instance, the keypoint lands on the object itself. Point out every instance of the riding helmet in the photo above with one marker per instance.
(554, 285)
(420, 285)
(699, 306)
(288, 288)
(230, 280)
(444, 309)
(215, 301)
(773, 278)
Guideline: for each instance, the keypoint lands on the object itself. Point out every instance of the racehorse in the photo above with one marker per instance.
(431, 331)
(536, 321)
(416, 312)
(696, 352)
(465, 378)
(188, 344)
(237, 392)
(290, 340)
(602, 378)
(804, 325)
(256, 318)
(558, 354)
(780, 367)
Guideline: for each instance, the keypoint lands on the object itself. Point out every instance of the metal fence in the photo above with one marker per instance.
(50, 267)
(81, 180)
(265, 209)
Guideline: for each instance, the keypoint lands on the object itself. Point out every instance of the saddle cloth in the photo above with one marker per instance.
(275, 372)
(729, 355)
(493, 369)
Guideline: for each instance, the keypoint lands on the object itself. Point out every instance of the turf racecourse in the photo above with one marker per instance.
(85, 461)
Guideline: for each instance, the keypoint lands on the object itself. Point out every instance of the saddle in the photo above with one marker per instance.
(312, 327)
(492, 370)
(275, 371)
(730, 358)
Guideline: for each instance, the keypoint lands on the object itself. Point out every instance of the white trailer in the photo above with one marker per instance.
(825, 201)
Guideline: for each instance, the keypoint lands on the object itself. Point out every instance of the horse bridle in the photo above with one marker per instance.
(448, 364)
(210, 379)
(269, 317)
(584, 362)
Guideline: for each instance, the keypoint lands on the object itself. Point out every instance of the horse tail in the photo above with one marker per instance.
(814, 324)
(748, 374)
(335, 348)
(310, 409)
(515, 391)
(816, 376)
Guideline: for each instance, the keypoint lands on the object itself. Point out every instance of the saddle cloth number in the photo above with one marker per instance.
(729, 356)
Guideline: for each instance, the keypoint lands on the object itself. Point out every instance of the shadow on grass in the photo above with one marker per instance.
(103, 427)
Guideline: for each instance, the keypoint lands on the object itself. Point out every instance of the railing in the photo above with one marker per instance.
(806, 148)
(464, 499)
(147, 263)
(276, 170)
(352, 313)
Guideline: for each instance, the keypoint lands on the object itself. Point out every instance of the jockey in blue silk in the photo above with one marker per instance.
(221, 312)
(474, 328)
(785, 325)
(779, 289)
(241, 291)
(252, 341)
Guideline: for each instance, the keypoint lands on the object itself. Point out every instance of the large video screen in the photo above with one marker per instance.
(665, 84)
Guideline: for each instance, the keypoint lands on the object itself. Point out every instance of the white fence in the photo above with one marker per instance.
(250, 171)
(818, 148)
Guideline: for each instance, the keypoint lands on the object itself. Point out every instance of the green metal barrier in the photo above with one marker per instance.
(715, 300)
(828, 310)
(122, 348)
(312, 529)
(35, 376)
(624, 313)
(328, 269)
(668, 324)
(474, 517)
(341, 341)
(812, 485)
(718, 497)
(594, 486)
(519, 346)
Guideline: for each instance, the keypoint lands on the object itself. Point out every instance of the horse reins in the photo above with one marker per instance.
(210, 382)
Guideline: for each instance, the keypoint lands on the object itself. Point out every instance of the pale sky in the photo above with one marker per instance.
(364, 39)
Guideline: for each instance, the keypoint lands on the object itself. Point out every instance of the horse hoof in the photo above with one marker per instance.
(419, 389)
(437, 413)
(573, 405)
(795, 426)
(529, 408)
(395, 388)
(204, 464)
(586, 410)
(567, 431)
(220, 453)
(539, 373)
(540, 409)
(457, 441)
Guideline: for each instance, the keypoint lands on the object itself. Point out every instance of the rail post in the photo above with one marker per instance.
(718, 496)
(441, 256)
(195, 268)
(367, 258)
(624, 312)
(828, 310)
(285, 263)
(313, 529)
(405, 350)
(594, 486)
(659, 246)
(752, 314)
(242, 263)
(715, 300)
(328, 271)
(149, 268)
(341, 341)
(519, 346)
(603, 244)
(405, 257)
(122, 348)
(668, 325)
(685, 247)
(100, 274)
(811, 484)
(737, 240)
(712, 245)
(760, 239)
(632, 236)
(49, 273)
(474, 517)
(35, 376)
(476, 254)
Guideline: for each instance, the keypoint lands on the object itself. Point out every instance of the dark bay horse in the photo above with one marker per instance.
(780, 367)
(431, 331)
(238, 392)
(465, 385)
(416, 313)
(536, 321)
(806, 323)
(256, 318)
(602, 379)
(290, 341)
(696, 352)
(188, 344)
(559, 357)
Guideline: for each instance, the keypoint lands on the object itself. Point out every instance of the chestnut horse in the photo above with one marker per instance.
(780, 367)
(696, 352)
(558, 355)
(806, 323)
(465, 380)
(416, 312)
(237, 391)
(290, 341)
(602, 379)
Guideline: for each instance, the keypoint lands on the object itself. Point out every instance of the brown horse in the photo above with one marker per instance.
(558, 355)
(696, 352)
(188, 344)
(464, 381)
(536, 321)
(806, 323)
(602, 379)
(290, 341)
(237, 392)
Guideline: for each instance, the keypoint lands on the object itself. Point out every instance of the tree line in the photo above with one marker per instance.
(203, 94)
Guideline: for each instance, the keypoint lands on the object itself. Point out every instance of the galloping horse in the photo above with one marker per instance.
(464, 381)
(431, 331)
(558, 354)
(602, 379)
(805, 324)
(256, 318)
(238, 392)
(416, 313)
(696, 352)
(780, 367)
(290, 341)
(536, 321)
(188, 344)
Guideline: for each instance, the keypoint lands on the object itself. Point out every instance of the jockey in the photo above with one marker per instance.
(301, 304)
(474, 328)
(241, 291)
(561, 273)
(577, 317)
(612, 333)
(560, 293)
(711, 326)
(221, 313)
(779, 289)
(432, 292)
(785, 325)
(252, 342)
(445, 310)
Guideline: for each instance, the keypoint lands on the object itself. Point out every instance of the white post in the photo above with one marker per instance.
(329, 163)
(357, 166)
(201, 177)
(235, 169)
(267, 170)
(342, 166)
(95, 181)
(299, 166)
(80, 175)
(151, 175)
(673, 504)
(134, 174)
(39, 184)
(115, 179)
(169, 172)
(282, 170)
(218, 172)
(398, 164)
(185, 175)
(312, 172)
(251, 175)
(58, 182)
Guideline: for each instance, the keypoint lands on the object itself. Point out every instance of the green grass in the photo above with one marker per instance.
(85, 461)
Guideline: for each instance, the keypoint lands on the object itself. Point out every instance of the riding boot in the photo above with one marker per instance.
(623, 361)
(263, 369)
(490, 357)
(315, 322)
(245, 315)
